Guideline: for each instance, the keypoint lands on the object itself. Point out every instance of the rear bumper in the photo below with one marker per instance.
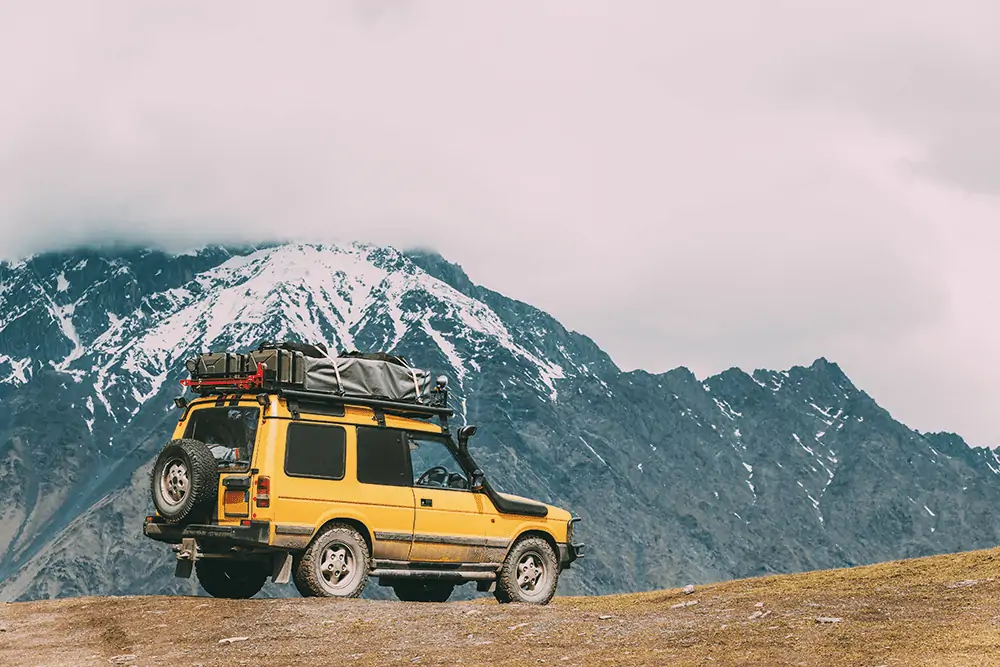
(258, 533)
(569, 553)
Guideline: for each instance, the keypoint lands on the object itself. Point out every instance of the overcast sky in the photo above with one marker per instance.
(705, 184)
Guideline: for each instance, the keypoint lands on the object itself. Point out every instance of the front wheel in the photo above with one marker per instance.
(233, 579)
(529, 574)
(334, 565)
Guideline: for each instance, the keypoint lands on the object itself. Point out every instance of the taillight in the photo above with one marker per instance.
(263, 492)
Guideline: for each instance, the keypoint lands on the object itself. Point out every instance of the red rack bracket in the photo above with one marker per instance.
(245, 383)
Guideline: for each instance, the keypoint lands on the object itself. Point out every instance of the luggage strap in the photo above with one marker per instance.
(336, 371)
(416, 384)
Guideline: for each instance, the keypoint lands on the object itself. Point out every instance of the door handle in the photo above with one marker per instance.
(426, 502)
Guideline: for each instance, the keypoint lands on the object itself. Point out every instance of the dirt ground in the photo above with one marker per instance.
(943, 610)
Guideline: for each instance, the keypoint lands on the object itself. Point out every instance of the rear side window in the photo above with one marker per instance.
(383, 457)
(314, 450)
(230, 433)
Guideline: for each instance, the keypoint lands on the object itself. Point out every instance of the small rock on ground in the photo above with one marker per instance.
(689, 589)
(122, 659)
(232, 640)
(828, 619)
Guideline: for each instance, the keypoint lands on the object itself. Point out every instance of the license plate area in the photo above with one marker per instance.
(235, 497)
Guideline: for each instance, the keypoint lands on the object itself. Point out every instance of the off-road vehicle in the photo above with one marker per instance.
(331, 471)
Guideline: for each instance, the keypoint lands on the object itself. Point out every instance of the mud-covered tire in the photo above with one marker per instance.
(300, 585)
(231, 579)
(184, 482)
(336, 564)
(530, 573)
(414, 590)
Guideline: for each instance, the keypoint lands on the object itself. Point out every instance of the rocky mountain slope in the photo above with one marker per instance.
(677, 479)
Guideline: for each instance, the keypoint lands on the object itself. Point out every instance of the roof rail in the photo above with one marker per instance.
(393, 407)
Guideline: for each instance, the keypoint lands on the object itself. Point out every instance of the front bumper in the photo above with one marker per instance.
(569, 553)
(258, 533)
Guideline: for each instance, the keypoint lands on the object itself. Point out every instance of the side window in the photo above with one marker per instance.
(314, 450)
(434, 465)
(382, 457)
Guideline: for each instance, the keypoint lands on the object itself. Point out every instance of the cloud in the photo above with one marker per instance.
(711, 185)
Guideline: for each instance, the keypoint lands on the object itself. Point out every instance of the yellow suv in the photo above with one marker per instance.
(329, 492)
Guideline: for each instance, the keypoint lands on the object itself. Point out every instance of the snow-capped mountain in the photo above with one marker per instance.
(677, 479)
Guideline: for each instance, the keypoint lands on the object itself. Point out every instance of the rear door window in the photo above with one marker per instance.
(383, 457)
(315, 450)
(230, 433)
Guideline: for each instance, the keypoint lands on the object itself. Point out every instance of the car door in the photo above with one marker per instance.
(449, 519)
(230, 434)
(385, 490)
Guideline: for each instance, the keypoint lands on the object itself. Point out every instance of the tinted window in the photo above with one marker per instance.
(313, 450)
(382, 457)
(230, 433)
(434, 465)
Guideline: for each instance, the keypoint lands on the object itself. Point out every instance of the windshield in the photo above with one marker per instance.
(230, 433)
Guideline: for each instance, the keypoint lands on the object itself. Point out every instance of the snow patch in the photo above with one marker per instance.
(592, 451)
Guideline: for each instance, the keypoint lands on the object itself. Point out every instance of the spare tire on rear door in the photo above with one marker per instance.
(185, 482)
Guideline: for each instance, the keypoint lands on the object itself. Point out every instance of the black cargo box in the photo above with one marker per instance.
(280, 366)
(217, 365)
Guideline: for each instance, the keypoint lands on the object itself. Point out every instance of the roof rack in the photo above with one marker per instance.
(244, 384)
(392, 407)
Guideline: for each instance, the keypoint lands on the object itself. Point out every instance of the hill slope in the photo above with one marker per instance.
(931, 611)
(677, 479)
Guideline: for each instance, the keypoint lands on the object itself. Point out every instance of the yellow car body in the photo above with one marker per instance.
(312, 466)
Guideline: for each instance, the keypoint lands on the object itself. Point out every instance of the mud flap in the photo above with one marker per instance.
(183, 569)
(486, 586)
(281, 571)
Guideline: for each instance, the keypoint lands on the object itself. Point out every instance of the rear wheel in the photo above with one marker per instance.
(529, 574)
(231, 579)
(423, 591)
(334, 565)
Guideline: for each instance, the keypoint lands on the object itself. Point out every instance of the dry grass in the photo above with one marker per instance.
(932, 611)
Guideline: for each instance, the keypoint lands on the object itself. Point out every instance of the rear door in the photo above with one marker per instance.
(307, 477)
(449, 520)
(230, 433)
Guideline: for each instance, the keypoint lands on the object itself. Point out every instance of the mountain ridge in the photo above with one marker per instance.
(677, 478)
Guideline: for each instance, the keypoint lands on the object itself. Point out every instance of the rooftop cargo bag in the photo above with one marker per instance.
(377, 374)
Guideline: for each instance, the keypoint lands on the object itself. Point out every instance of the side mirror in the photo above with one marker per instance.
(478, 479)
